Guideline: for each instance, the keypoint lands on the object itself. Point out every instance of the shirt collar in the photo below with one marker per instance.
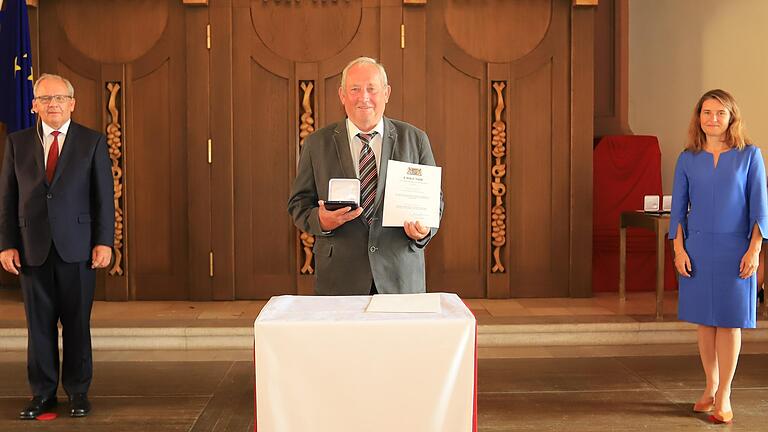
(63, 129)
(353, 130)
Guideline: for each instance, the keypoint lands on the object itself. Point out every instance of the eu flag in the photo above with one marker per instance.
(15, 67)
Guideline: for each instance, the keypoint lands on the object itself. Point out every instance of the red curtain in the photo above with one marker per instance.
(626, 168)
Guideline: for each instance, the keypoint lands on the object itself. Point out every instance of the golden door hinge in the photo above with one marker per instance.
(210, 263)
(208, 36)
(210, 151)
(402, 36)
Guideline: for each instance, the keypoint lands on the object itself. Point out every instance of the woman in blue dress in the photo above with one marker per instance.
(717, 240)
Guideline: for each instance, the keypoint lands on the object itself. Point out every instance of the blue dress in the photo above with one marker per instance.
(725, 204)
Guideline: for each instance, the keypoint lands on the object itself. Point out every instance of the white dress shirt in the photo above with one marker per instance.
(356, 146)
(48, 139)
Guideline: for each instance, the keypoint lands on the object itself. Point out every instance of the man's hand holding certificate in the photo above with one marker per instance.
(412, 193)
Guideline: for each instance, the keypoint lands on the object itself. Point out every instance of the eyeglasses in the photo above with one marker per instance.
(60, 99)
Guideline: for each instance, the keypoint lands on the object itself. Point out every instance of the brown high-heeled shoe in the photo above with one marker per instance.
(704, 407)
(721, 417)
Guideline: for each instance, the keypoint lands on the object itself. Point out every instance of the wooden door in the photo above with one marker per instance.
(498, 117)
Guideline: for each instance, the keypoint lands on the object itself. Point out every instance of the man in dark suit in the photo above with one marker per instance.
(354, 253)
(56, 226)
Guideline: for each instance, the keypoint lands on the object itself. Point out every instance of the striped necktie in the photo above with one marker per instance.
(369, 178)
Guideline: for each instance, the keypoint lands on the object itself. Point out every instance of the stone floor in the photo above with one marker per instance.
(157, 391)
(539, 388)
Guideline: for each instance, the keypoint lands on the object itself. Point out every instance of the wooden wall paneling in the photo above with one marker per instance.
(539, 140)
(463, 180)
(265, 244)
(157, 173)
(333, 109)
(198, 114)
(179, 207)
(539, 157)
(532, 149)
(415, 80)
(562, 172)
(391, 56)
(582, 104)
(455, 123)
(611, 68)
(272, 135)
(222, 85)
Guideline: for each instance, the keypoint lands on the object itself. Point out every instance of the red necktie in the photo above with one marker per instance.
(53, 157)
(368, 176)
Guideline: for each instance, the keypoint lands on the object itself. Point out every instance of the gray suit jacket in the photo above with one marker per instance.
(354, 254)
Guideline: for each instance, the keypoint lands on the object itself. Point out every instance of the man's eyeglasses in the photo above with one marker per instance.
(60, 99)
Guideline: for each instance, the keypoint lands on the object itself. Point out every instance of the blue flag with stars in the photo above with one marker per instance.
(15, 67)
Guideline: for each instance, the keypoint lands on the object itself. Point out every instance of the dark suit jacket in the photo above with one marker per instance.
(75, 212)
(351, 255)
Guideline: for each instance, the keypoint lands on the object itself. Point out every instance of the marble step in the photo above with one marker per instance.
(489, 336)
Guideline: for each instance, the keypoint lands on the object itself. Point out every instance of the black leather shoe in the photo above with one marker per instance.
(79, 406)
(37, 406)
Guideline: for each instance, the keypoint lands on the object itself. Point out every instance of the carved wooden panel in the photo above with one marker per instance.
(115, 143)
(498, 178)
(306, 127)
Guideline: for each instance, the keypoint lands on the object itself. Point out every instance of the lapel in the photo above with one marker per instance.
(388, 142)
(66, 152)
(38, 152)
(341, 142)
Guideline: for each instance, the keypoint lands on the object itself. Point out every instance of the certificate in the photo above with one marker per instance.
(412, 193)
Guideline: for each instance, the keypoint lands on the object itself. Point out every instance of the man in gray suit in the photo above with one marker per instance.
(354, 254)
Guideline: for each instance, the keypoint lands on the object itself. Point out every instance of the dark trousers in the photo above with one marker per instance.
(373, 288)
(58, 291)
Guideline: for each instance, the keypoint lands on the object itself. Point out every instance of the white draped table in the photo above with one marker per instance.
(323, 364)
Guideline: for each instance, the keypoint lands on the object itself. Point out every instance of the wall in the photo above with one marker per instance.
(680, 49)
(204, 133)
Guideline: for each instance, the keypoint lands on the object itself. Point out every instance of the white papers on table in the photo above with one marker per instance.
(418, 303)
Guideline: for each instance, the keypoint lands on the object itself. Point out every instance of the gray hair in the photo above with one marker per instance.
(45, 76)
(361, 61)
